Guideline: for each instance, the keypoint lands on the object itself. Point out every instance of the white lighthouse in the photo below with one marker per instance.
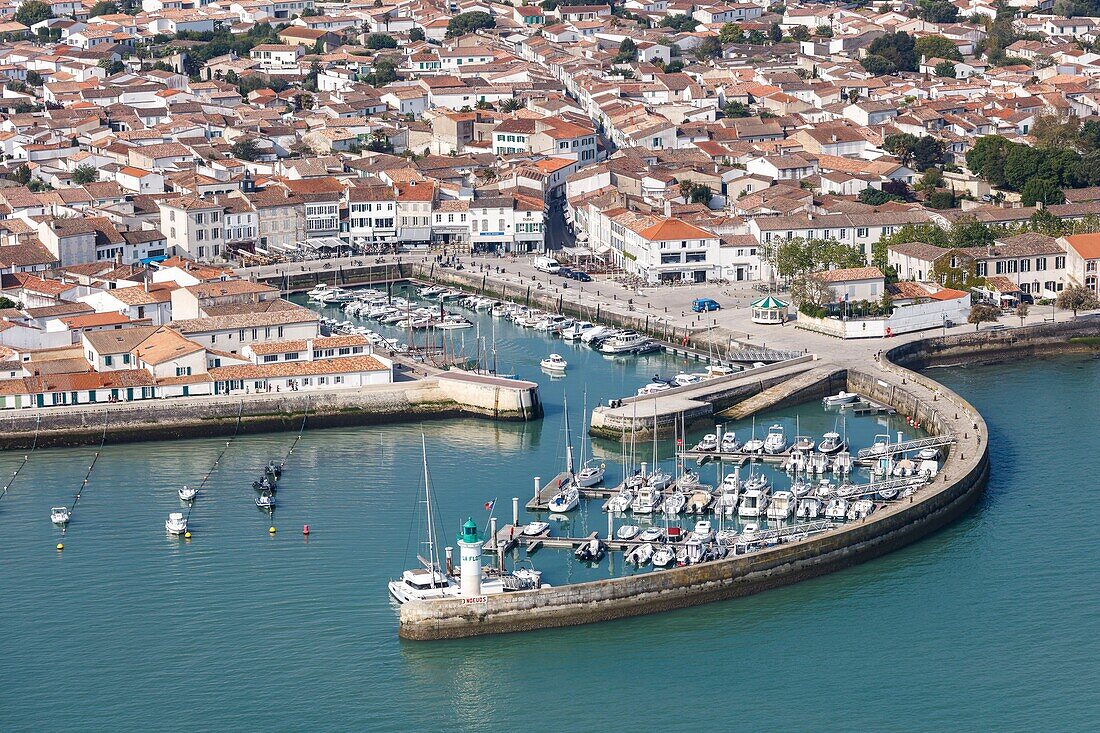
(469, 551)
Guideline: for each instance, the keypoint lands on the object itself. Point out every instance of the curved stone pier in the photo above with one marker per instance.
(955, 489)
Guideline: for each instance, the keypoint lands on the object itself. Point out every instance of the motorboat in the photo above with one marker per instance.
(628, 342)
(753, 504)
(837, 509)
(776, 442)
(60, 515)
(674, 503)
(824, 489)
(889, 493)
(565, 500)
(646, 501)
(576, 331)
(591, 550)
(650, 534)
(928, 467)
(627, 532)
(840, 398)
(831, 443)
(702, 531)
(266, 500)
(809, 508)
(730, 444)
(719, 370)
(860, 509)
(692, 552)
(176, 523)
(553, 323)
(699, 501)
(817, 463)
(803, 443)
(187, 493)
(683, 379)
(727, 501)
(842, 463)
(264, 484)
(726, 537)
(663, 557)
(554, 363)
(904, 468)
(453, 323)
(688, 480)
(273, 469)
(781, 505)
(590, 474)
(620, 502)
(534, 529)
(708, 443)
(318, 292)
(640, 555)
(432, 291)
(796, 462)
(594, 334)
(653, 388)
(801, 487)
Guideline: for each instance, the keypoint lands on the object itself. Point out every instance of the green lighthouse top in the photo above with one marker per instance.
(469, 531)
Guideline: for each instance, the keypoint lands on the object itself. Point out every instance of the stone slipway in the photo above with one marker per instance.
(814, 384)
(447, 394)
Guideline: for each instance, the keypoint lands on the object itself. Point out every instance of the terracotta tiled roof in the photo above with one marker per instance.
(340, 365)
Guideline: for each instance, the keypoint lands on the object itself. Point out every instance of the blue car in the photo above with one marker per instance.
(702, 305)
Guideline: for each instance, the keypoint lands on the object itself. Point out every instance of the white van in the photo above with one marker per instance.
(546, 264)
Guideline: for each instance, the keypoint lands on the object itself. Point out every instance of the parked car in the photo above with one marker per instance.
(584, 277)
(565, 272)
(703, 305)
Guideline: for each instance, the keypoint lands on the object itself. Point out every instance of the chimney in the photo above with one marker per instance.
(147, 286)
(309, 349)
(834, 138)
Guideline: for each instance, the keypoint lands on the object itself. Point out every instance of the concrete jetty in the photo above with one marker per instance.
(445, 394)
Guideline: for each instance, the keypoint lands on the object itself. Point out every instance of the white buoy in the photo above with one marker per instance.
(469, 552)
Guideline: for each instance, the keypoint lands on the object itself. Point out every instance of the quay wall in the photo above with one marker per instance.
(431, 398)
(956, 488)
(984, 347)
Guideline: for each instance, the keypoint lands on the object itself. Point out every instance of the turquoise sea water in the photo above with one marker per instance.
(988, 625)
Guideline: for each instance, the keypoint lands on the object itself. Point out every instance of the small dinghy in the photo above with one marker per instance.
(186, 493)
(176, 523)
(627, 531)
(840, 398)
(591, 551)
(264, 484)
(273, 469)
(60, 515)
(266, 500)
(650, 534)
(534, 529)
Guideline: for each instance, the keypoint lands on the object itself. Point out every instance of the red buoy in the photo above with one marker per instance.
(305, 529)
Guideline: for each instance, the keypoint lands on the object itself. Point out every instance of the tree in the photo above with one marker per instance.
(969, 232)
(800, 33)
(510, 105)
(928, 152)
(983, 313)
(464, 23)
(937, 47)
(112, 66)
(416, 34)
(900, 145)
(1041, 190)
(628, 52)
(383, 73)
(32, 12)
(34, 79)
(8, 303)
(22, 175)
(775, 32)
(945, 70)
(696, 193)
(83, 174)
(710, 48)
(897, 48)
(799, 256)
(811, 291)
(731, 33)
(937, 11)
(381, 40)
(735, 109)
(1022, 309)
(103, 7)
(876, 197)
(1077, 298)
(878, 65)
(245, 149)
(679, 22)
(941, 199)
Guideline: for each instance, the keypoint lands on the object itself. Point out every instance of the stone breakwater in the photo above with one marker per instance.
(954, 490)
(440, 396)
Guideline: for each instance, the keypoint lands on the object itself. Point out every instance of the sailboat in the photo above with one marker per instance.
(591, 473)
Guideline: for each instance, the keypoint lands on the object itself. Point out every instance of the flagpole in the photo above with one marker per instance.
(492, 509)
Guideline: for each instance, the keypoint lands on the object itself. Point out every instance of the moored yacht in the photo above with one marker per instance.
(565, 500)
(176, 523)
(60, 515)
(186, 493)
(776, 442)
(831, 443)
(554, 363)
(646, 501)
(782, 505)
(753, 504)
